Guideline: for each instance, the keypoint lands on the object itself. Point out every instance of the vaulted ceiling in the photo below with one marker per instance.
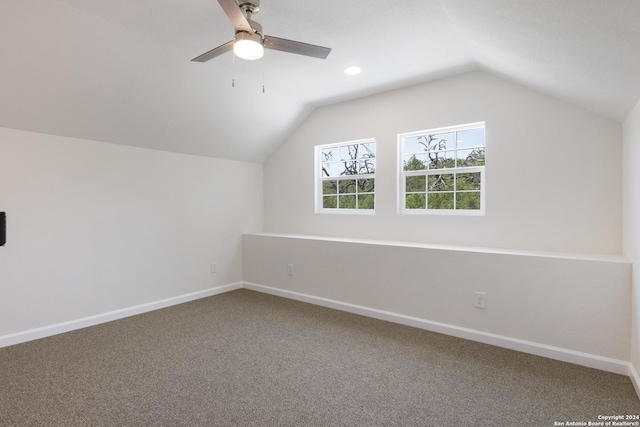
(119, 71)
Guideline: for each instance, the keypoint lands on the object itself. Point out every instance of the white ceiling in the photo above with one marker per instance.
(120, 71)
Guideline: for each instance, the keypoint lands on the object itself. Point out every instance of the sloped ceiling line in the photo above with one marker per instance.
(120, 71)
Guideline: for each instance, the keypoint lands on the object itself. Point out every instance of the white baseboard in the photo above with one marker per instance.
(551, 352)
(635, 379)
(72, 325)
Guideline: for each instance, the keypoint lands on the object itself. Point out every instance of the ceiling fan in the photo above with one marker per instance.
(249, 42)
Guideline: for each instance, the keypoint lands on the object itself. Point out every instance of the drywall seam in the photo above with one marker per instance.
(47, 331)
(551, 352)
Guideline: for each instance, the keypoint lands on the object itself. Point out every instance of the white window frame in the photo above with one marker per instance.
(402, 174)
(319, 179)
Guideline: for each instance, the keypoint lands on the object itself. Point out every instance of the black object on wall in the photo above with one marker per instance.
(3, 228)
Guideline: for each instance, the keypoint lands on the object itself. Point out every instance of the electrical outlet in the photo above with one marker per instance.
(290, 269)
(479, 300)
(214, 267)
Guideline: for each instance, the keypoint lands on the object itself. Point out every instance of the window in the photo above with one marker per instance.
(442, 171)
(345, 177)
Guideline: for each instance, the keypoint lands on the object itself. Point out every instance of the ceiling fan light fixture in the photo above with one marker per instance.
(248, 46)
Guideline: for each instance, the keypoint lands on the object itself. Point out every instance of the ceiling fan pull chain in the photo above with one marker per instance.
(263, 72)
(233, 65)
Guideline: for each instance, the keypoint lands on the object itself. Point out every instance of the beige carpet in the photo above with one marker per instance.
(249, 359)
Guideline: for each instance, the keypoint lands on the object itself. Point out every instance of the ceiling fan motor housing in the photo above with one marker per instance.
(256, 36)
(256, 27)
(243, 35)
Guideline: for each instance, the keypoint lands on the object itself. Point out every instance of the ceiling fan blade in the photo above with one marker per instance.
(236, 15)
(214, 52)
(300, 48)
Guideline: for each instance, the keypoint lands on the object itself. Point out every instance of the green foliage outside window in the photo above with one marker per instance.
(348, 193)
(348, 176)
(452, 190)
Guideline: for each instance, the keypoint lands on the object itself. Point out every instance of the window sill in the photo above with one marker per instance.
(449, 212)
(346, 211)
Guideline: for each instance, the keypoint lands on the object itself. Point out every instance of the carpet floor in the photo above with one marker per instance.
(248, 359)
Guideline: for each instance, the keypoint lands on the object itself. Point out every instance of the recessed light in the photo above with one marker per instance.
(352, 71)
